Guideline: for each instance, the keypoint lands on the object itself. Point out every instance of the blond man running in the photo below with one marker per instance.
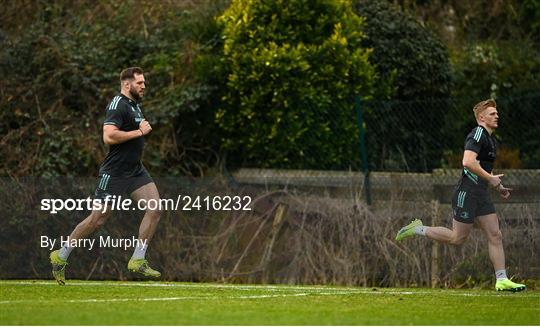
(471, 198)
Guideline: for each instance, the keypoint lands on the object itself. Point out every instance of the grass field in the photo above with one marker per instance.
(157, 303)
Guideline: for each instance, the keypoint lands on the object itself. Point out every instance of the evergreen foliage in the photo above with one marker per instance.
(406, 51)
(292, 69)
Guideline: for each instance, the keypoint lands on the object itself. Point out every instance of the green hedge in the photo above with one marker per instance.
(292, 69)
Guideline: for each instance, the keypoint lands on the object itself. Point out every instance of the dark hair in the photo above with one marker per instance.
(129, 73)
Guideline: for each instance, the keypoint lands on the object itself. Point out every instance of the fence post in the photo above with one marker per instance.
(435, 246)
(267, 255)
(363, 152)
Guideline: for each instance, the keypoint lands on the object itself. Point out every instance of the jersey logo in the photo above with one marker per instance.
(464, 215)
(114, 103)
(478, 134)
(139, 117)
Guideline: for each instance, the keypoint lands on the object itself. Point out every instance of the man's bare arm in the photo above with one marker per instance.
(113, 135)
(470, 162)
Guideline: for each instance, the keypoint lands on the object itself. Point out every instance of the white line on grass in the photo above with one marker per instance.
(179, 285)
(178, 298)
(273, 288)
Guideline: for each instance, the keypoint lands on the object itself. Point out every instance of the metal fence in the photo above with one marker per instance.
(409, 147)
(396, 136)
(419, 136)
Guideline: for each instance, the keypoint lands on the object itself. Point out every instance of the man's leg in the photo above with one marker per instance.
(150, 195)
(490, 225)
(151, 217)
(457, 235)
(463, 204)
(58, 258)
(90, 224)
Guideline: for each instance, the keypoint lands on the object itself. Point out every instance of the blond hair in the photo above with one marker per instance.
(483, 105)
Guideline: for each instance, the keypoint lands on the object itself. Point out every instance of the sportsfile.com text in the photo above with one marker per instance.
(120, 203)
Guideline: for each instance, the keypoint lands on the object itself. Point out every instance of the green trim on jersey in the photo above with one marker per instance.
(478, 134)
(114, 103)
(104, 181)
(473, 177)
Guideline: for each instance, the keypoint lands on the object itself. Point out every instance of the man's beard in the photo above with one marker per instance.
(134, 94)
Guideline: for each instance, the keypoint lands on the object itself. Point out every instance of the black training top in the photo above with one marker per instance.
(124, 159)
(485, 146)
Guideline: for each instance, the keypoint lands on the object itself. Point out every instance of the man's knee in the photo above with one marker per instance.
(458, 239)
(154, 214)
(97, 220)
(494, 237)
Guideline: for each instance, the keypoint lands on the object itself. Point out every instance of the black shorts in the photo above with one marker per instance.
(120, 185)
(470, 201)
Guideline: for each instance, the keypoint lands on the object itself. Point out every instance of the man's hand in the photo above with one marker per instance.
(504, 191)
(495, 180)
(145, 127)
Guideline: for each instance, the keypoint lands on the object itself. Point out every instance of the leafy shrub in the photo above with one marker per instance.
(405, 50)
(292, 69)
